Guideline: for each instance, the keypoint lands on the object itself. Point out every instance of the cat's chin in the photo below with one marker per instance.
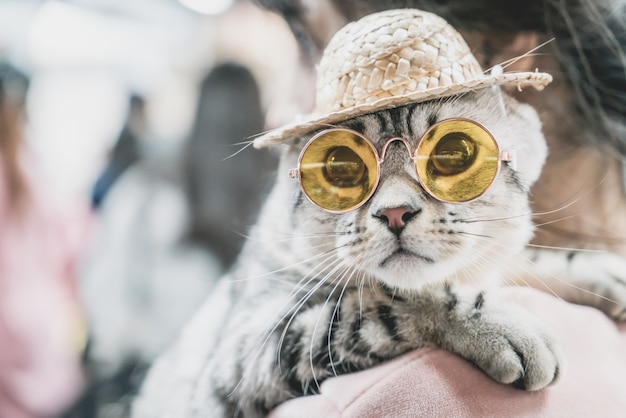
(406, 270)
(409, 271)
(402, 257)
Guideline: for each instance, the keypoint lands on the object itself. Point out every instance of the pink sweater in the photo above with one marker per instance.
(39, 316)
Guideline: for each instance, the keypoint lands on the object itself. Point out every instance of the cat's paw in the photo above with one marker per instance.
(512, 347)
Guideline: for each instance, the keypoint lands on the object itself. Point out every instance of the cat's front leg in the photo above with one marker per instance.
(504, 340)
(356, 329)
(595, 279)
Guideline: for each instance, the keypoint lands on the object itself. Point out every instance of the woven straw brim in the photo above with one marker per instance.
(313, 122)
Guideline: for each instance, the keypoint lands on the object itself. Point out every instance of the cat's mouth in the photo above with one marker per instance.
(402, 254)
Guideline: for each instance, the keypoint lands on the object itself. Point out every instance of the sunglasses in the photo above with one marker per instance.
(456, 161)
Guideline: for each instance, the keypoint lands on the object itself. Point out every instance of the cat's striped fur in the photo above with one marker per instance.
(317, 294)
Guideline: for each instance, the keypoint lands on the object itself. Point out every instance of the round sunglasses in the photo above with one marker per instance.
(456, 161)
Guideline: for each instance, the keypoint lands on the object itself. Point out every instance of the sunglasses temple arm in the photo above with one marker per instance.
(510, 158)
(294, 173)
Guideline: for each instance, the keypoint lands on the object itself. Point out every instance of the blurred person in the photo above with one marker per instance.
(139, 279)
(226, 187)
(168, 228)
(125, 151)
(40, 239)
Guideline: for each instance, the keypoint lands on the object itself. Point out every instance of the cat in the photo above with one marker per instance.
(317, 294)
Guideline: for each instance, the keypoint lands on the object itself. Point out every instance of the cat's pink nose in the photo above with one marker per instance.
(396, 218)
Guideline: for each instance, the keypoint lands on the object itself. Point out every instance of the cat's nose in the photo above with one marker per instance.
(396, 218)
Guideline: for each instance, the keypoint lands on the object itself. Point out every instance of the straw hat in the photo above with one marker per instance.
(390, 59)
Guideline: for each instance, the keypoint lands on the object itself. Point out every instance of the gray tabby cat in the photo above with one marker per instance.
(317, 292)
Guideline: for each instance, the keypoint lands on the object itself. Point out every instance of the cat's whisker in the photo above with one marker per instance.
(300, 286)
(338, 281)
(516, 271)
(501, 263)
(331, 263)
(536, 277)
(567, 204)
(522, 215)
(295, 238)
(508, 62)
(568, 249)
(498, 219)
(566, 283)
(515, 278)
(289, 236)
(519, 272)
(529, 53)
(312, 275)
(335, 314)
(244, 145)
(576, 197)
(394, 293)
(298, 234)
(474, 234)
(361, 289)
(288, 267)
(520, 266)
(477, 266)
(295, 308)
(553, 221)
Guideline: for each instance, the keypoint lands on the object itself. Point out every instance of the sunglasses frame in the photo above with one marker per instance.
(294, 173)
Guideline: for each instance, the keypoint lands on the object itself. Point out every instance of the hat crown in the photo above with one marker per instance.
(395, 53)
(391, 59)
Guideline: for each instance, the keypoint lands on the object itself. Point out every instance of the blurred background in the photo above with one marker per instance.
(85, 58)
(127, 184)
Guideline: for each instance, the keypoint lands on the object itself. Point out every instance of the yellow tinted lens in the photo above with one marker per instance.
(457, 160)
(344, 168)
(338, 170)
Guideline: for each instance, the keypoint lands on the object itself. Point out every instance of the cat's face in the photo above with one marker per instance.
(437, 241)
